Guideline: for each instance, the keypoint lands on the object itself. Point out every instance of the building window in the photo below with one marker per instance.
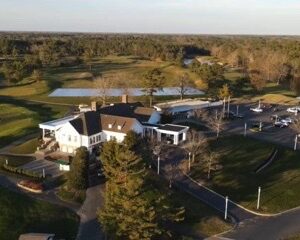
(69, 138)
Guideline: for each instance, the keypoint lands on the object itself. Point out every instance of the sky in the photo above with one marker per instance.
(274, 17)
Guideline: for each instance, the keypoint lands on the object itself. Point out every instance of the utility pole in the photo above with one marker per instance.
(296, 141)
(260, 126)
(258, 197)
(224, 106)
(228, 108)
(226, 207)
(189, 161)
(158, 164)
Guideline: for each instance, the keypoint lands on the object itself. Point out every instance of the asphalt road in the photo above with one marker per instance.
(171, 159)
(271, 228)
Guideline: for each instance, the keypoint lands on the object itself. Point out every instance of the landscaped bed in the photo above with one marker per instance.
(237, 179)
(20, 214)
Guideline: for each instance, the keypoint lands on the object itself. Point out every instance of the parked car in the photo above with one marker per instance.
(100, 173)
(287, 120)
(294, 109)
(257, 109)
(281, 124)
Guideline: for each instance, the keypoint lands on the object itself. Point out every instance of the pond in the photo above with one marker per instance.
(115, 92)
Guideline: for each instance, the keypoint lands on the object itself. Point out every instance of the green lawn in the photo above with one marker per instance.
(15, 161)
(239, 158)
(20, 214)
(199, 218)
(25, 148)
(19, 118)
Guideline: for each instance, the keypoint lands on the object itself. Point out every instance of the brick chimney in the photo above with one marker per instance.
(94, 106)
(124, 98)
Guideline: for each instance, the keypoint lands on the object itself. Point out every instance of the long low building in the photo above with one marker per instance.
(90, 128)
(185, 106)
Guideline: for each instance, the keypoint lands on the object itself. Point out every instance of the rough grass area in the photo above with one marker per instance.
(20, 214)
(237, 178)
(26, 147)
(296, 237)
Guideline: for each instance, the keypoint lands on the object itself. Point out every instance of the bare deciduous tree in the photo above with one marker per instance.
(102, 85)
(184, 82)
(196, 144)
(211, 159)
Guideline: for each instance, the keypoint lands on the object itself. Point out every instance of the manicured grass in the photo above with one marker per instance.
(239, 158)
(71, 196)
(199, 218)
(26, 147)
(19, 118)
(15, 161)
(20, 214)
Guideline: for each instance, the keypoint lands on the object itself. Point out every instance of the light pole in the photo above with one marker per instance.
(6, 161)
(158, 164)
(258, 197)
(226, 207)
(228, 106)
(245, 130)
(260, 126)
(44, 174)
(296, 141)
(237, 109)
(216, 114)
(224, 106)
(189, 161)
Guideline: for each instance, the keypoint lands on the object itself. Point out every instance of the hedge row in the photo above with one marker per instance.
(22, 171)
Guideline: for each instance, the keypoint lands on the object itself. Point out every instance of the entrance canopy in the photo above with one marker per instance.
(176, 133)
(56, 124)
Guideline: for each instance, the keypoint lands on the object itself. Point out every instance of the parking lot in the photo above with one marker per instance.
(37, 166)
(283, 136)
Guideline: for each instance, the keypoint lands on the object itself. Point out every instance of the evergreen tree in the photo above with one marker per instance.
(154, 80)
(77, 178)
(133, 209)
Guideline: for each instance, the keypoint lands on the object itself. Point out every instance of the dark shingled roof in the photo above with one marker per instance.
(121, 114)
(88, 123)
(130, 110)
(171, 127)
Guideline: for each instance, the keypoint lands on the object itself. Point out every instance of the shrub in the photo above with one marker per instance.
(21, 171)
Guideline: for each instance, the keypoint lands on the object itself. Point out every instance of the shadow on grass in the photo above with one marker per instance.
(44, 113)
(237, 179)
(24, 214)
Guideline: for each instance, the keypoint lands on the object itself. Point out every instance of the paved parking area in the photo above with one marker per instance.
(38, 166)
(281, 136)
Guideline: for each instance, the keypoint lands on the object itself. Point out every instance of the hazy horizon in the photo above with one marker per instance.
(216, 17)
